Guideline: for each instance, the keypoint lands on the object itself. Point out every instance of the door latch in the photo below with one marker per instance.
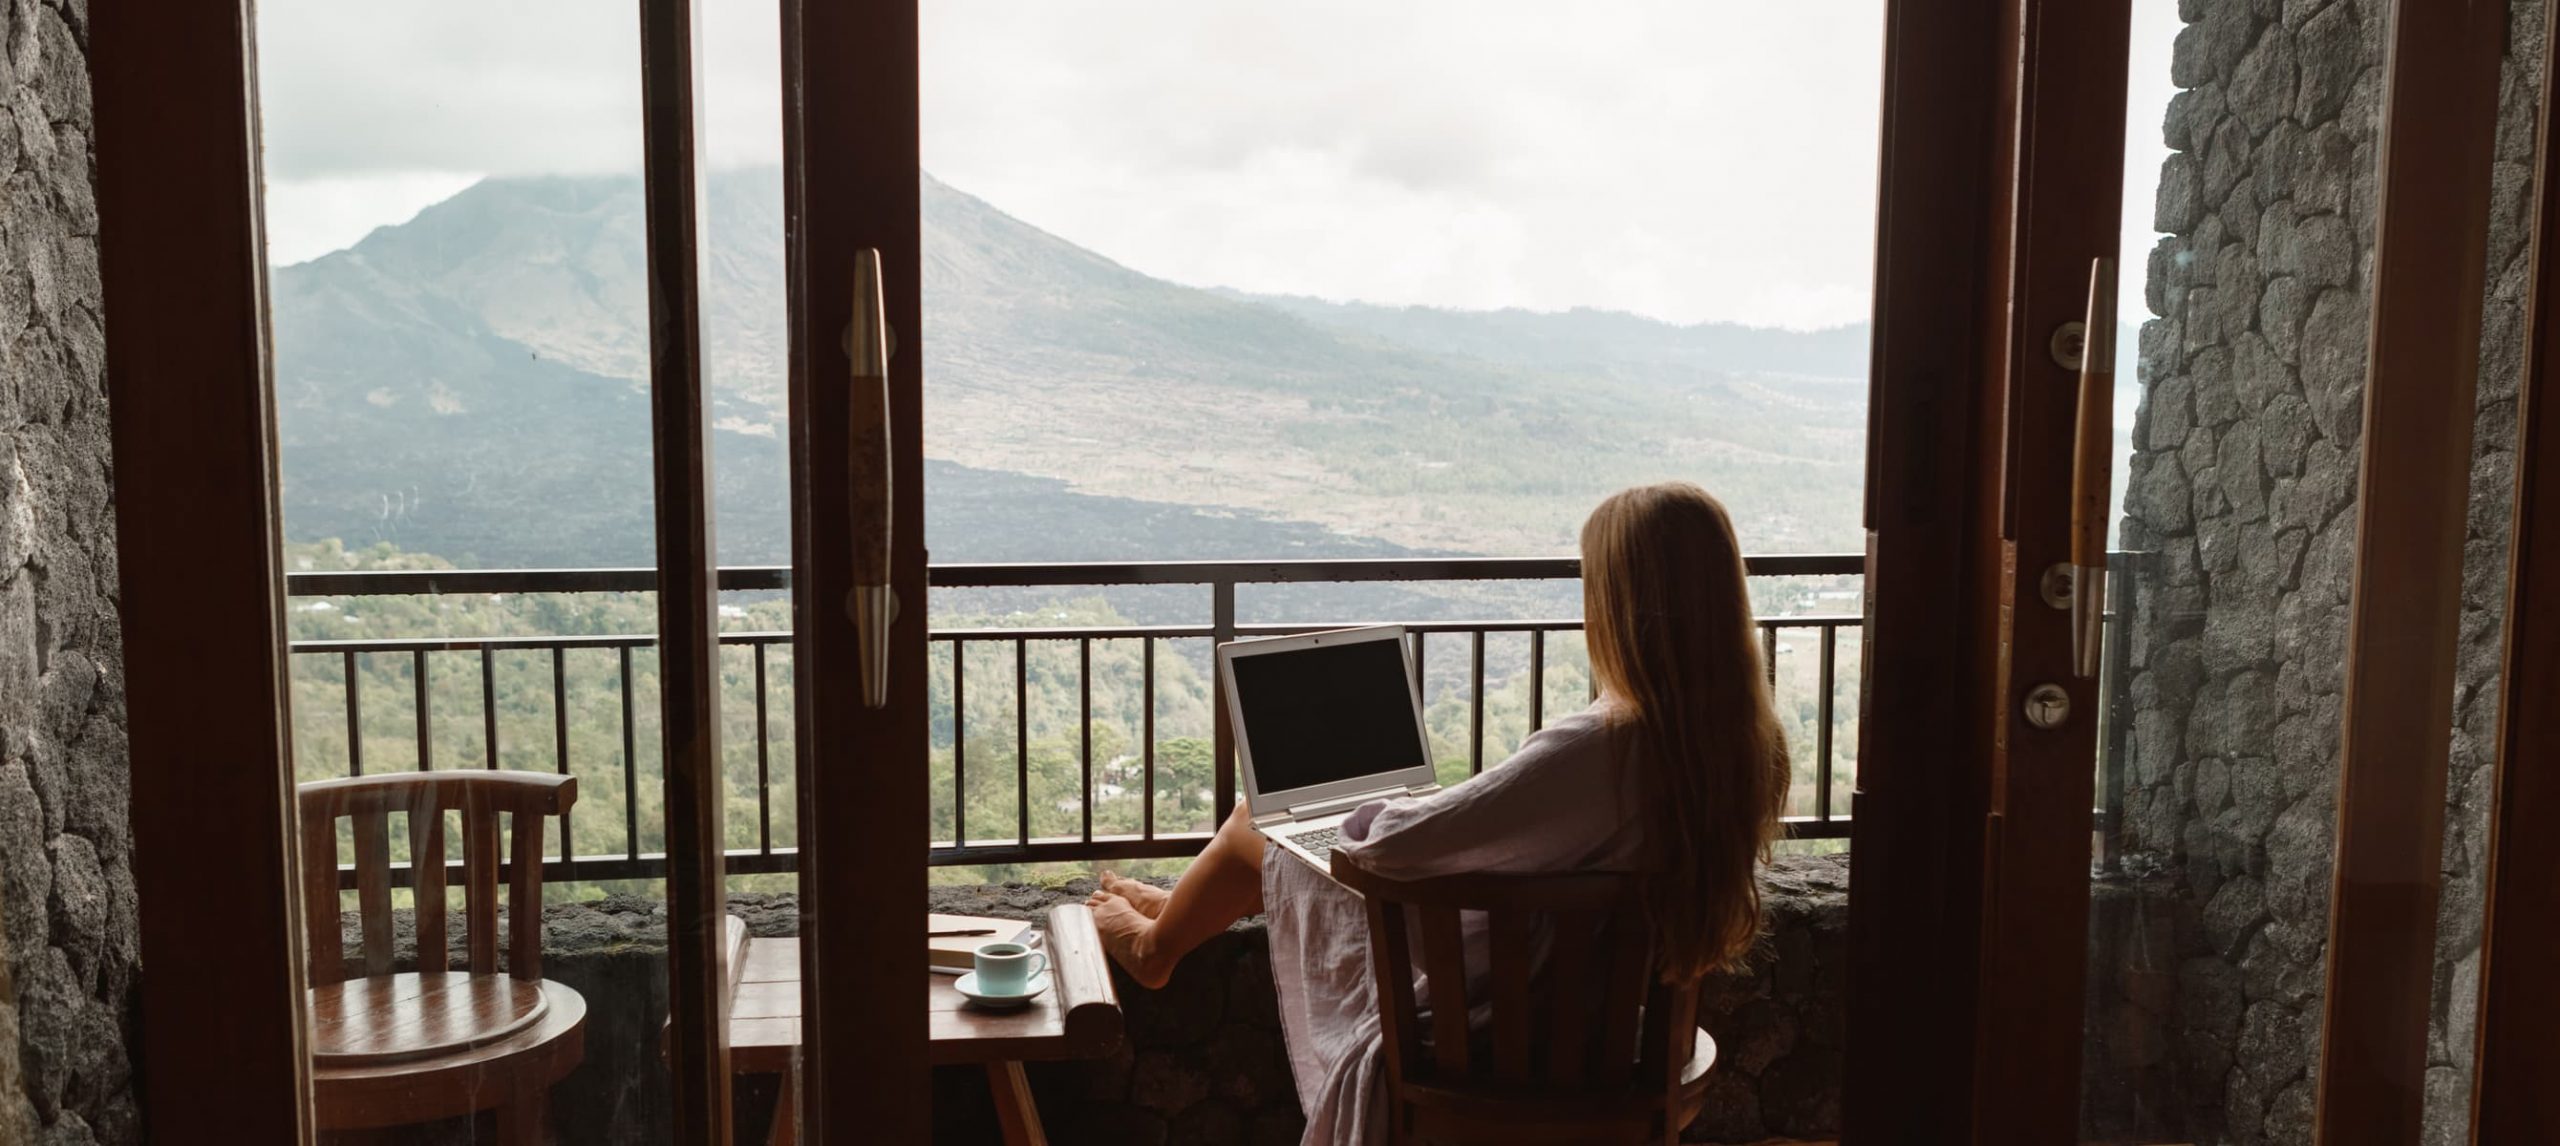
(2048, 706)
(2055, 585)
(2069, 345)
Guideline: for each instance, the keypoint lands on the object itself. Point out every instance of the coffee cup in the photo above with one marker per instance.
(1007, 968)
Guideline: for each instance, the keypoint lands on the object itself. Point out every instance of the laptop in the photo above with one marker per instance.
(1324, 722)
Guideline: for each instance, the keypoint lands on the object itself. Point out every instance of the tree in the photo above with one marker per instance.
(1186, 766)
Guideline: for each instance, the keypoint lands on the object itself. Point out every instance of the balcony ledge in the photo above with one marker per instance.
(1204, 1062)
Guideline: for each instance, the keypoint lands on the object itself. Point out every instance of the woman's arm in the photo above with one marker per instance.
(1558, 802)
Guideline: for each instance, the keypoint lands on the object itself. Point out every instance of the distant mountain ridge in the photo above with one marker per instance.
(1582, 335)
(472, 383)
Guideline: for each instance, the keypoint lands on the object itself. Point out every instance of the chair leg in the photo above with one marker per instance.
(527, 1120)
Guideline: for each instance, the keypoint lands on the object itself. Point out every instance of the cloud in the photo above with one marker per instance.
(1687, 160)
(307, 218)
(448, 85)
(367, 107)
(1690, 161)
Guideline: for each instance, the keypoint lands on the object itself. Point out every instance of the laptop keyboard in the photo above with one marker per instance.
(1318, 843)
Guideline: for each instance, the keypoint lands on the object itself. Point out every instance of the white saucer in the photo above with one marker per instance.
(968, 985)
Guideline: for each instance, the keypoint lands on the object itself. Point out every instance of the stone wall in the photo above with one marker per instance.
(2243, 486)
(67, 932)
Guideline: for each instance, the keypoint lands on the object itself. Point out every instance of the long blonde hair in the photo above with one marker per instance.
(1674, 645)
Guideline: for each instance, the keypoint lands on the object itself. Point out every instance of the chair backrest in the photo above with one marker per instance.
(1596, 1026)
(424, 797)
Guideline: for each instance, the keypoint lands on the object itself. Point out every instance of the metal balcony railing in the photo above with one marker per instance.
(1220, 580)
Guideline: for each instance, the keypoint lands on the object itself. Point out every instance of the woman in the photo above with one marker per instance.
(1677, 770)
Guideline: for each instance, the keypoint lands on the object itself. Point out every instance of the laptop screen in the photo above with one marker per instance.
(1327, 713)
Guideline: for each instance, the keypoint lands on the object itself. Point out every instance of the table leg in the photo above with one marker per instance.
(1021, 1119)
(786, 1111)
(527, 1120)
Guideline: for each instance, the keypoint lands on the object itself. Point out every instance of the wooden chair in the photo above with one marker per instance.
(390, 1049)
(1595, 1050)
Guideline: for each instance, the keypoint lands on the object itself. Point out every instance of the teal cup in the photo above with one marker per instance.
(1007, 968)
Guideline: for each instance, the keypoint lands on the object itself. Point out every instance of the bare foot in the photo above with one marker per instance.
(1146, 897)
(1130, 938)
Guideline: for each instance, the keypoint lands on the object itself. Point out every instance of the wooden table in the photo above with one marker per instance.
(1078, 1017)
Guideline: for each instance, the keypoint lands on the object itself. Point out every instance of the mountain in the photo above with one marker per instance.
(472, 383)
(1625, 345)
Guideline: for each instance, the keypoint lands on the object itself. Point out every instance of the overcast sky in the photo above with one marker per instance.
(1686, 159)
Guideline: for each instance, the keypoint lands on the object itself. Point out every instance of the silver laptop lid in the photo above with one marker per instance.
(1324, 716)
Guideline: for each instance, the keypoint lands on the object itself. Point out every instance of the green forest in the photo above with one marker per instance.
(535, 716)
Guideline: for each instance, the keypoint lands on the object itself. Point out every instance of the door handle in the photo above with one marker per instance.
(2092, 470)
(867, 472)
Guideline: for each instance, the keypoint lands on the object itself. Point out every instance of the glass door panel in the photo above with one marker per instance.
(2241, 348)
(2245, 287)
(747, 370)
(460, 305)
(1228, 284)
(1280, 288)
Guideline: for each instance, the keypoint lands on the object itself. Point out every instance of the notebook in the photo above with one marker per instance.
(959, 952)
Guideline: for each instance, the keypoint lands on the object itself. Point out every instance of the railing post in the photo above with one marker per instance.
(2117, 716)
(630, 774)
(560, 752)
(764, 761)
(355, 716)
(1021, 742)
(1828, 682)
(1422, 693)
(1147, 734)
(1084, 731)
(1222, 628)
(1537, 679)
(1475, 710)
(426, 712)
(489, 707)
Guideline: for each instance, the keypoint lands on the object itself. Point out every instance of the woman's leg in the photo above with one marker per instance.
(1223, 885)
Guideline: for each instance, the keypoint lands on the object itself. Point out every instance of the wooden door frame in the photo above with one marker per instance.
(1916, 831)
(182, 259)
(183, 265)
(850, 148)
(2516, 1058)
(688, 595)
(1998, 186)
(2404, 611)
(2066, 209)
